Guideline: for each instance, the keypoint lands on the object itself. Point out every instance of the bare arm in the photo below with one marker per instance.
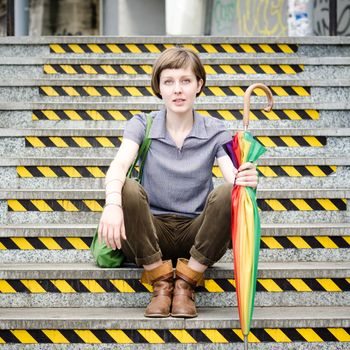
(111, 228)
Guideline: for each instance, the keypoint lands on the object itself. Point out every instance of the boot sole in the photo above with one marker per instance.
(157, 315)
(184, 315)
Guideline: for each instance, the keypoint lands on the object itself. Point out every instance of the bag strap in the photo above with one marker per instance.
(143, 150)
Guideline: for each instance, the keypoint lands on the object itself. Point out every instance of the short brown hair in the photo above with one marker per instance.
(175, 58)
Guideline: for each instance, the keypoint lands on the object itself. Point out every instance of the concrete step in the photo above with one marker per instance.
(70, 242)
(278, 284)
(214, 328)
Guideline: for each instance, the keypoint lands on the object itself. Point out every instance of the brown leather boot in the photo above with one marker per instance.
(162, 280)
(184, 296)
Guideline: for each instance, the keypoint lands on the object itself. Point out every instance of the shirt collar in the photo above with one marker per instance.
(158, 129)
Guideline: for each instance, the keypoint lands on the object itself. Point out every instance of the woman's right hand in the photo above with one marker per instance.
(111, 228)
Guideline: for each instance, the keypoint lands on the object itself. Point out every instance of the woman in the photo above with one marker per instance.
(175, 214)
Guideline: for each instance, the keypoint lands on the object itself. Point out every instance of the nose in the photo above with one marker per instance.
(177, 87)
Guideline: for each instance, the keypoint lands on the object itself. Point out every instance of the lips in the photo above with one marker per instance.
(179, 101)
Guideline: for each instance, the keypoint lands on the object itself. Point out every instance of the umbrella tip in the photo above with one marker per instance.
(245, 342)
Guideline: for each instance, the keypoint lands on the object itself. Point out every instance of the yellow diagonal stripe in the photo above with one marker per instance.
(267, 171)
(5, 287)
(76, 48)
(238, 91)
(92, 205)
(23, 336)
(23, 172)
(267, 69)
(119, 336)
(41, 205)
(33, 286)
(2, 247)
(73, 115)
(300, 91)
(328, 285)
(301, 204)
(182, 336)
(209, 69)
(277, 335)
(48, 69)
(227, 69)
(287, 69)
(55, 336)
(22, 243)
(91, 91)
(227, 115)
(35, 142)
(70, 91)
(71, 171)
(251, 337)
(49, 91)
(112, 91)
(299, 242)
(299, 285)
(151, 336)
(87, 336)
(214, 335)
(81, 142)
(114, 48)
(58, 142)
(270, 285)
(247, 69)
(247, 48)
(152, 48)
(50, 243)
(279, 90)
(313, 113)
(309, 335)
(95, 48)
(57, 48)
(292, 114)
(275, 204)
(216, 91)
(228, 48)
(312, 141)
(95, 115)
(133, 48)
(212, 286)
(63, 286)
(107, 68)
(272, 242)
(105, 142)
(326, 242)
(266, 48)
(266, 141)
(209, 48)
(291, 171)
(67, 205)
(68, 69)
(95, 171)
(128, 69)
(88, 69)
(285, 48)
(315, 170)
(147, 68)
(52, 115)
(340, 333)
(77, 243)
(289, 141)
(15, 205)
(327, 204)
(93, 286)
(122, 286)
(216, 171)
(47, 171)
(133, 91)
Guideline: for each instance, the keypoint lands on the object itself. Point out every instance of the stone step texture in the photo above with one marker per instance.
(56, 89)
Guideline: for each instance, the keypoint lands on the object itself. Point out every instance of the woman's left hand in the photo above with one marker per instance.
(247, 175)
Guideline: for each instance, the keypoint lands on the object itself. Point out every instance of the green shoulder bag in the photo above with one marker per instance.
(103, 255)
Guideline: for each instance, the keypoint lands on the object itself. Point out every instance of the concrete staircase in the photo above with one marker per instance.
(63, 106)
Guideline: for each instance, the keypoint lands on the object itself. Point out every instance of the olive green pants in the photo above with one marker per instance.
(161, 237)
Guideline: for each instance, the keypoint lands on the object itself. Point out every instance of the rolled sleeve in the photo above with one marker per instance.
(135, 128)
(223, 137)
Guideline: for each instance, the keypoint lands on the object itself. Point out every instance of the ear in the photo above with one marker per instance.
(199, 85)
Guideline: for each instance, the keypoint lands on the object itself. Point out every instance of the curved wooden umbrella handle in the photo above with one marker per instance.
(246, 108)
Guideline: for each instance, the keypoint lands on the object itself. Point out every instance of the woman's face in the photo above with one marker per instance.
(178, 88)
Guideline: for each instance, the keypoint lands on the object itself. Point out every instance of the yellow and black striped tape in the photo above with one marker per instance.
(210, 69)
(87, 205)
(100, 171)
(83, 243)
(147, 91)
(278, 114)
(157, 48)
(115, 141)
(217, 285)
(174, 336)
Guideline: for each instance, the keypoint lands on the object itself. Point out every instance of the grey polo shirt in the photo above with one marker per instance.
(178, 181)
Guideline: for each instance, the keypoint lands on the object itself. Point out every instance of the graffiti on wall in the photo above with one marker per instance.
(321, 17)
(249, 17)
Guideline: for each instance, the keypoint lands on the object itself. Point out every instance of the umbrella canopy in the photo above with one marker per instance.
(245, 219)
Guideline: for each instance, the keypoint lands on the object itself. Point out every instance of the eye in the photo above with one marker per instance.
(186, 81)
(167, 82)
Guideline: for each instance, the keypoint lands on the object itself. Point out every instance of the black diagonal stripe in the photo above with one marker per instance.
(104, 283)
(105, 48)
(87, 240)
(256, 47)
(39, 114)
(103, 336)
(144, 91)
(215, 114)
(325, 334)
(59, 69)
(263, 205)
(123, 48)
(230, 335)
(238, 69)
(137, 285)
(86, 48)
(278, 171)
(83, 114)
(8, 243)
(303, 170)
(82, 170)
(339, 203)
(18, 286)
(117, 68)
(326, 169)
(237, 114)
(281, 114)
(143, 48)
(41, 91)
(342, 283)
(258, 69)
(59, 91)
(227, 91)
(199, 336)
(80, 90)
(77, 286)
(135, 336)
(293, 334)
(312, 242)
(313, 284)
(298, 68)
(288, 204)
(225, 284)
(27, 203)
(46, 141)
(98, 69)
(71, 336)
(340, 242)
(39, 336)
(8, 337)
(278, 141)
(58, 171)
(64, 243)
(217, 68)
(106, 115)
(34, 171)
(160, 47)
(79, 69)
(200, 48)
(102, 91)
(123, 91)
(259, 114)
(207, 92)
(262, 335)
(260, 287)
(127, 114)
(302, 113)
(277, 68)
(48, 286)
(289, 90)
(139, 70)
(220, 48)
(36, 242)
(314, 204)
(62, 115)
(68, 140)
(284, 284)
(285, 242)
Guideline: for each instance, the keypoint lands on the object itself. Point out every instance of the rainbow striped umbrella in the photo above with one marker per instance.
(245, 219)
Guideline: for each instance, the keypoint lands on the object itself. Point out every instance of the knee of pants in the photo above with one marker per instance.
(221, 195)
(133, 193)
